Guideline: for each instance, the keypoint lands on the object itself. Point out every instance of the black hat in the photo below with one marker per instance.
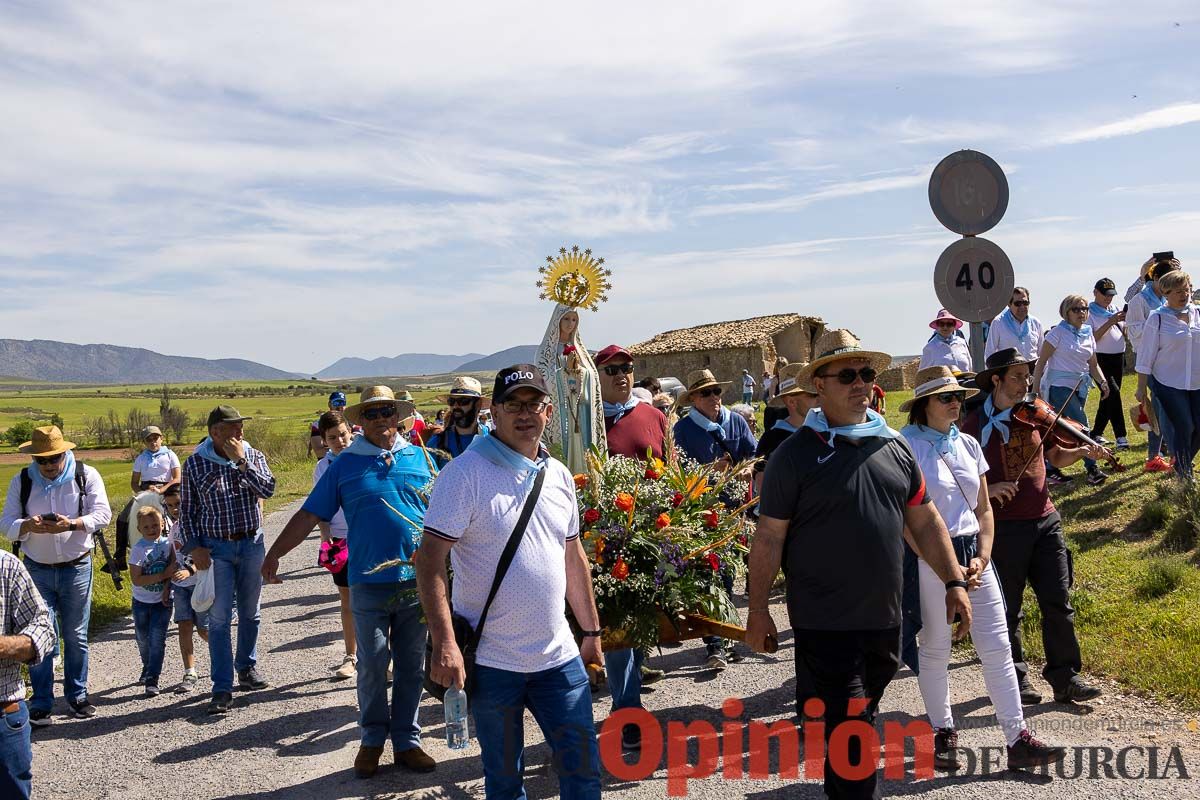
(518, 376)
(224, 414)
(1107, 287)
(1001, 359)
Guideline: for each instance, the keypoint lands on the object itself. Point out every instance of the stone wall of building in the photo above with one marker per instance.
(726, 364)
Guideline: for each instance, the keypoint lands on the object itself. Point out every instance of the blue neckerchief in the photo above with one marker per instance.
(875, 425)
(1100, 311)
(1153, 301)
(66, 476)
(784, 425)
(1020, 331)
(1081, 333)
(995, 422)
(207, 451)
(500, 454)
(619, 410)
(153, 454)
(944, 443)
(708, 425)
(361, 446)
(451, 440)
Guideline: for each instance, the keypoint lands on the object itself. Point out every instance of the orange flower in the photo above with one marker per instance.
(624, 501)
(599, 545)
(581, 481)
(620, 570)
(663, 521)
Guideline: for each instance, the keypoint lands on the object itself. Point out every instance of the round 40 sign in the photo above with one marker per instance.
(973, 279)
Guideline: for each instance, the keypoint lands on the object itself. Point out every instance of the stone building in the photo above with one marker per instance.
(727, 348)
(902, 374)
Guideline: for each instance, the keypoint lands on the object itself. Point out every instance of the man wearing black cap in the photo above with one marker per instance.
(220, 520)
(1029, 545)
(1109, 334)
(527, 656)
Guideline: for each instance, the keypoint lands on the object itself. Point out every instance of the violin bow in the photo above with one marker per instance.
(1053, 422)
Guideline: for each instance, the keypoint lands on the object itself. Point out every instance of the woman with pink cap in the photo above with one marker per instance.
(947, 347)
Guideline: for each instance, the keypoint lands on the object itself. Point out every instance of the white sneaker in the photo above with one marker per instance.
(347, 669)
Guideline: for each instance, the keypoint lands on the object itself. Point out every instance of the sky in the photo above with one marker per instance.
(297, 182)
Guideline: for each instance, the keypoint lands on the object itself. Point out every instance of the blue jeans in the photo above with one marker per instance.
(1183, 410)
(387, 617)
(16, 755)
(236, 568)
(561, 702)
(1073, 410)
(68, 594)
(624, 669)
(150, 623)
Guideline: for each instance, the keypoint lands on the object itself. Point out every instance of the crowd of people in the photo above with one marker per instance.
(893, 544)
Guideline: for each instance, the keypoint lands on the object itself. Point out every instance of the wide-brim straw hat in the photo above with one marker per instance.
(1001, 359)
(790, 385)
(837, 345)
(702, 379)
(379, 395)
(468, 387)
(46, 441)
(935, 380)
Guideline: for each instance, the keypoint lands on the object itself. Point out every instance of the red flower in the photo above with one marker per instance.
(713, 561)
(677, 500)
(568, 349)
(591, 516)
(712, 518)
(624, 501)
(620, 570)
(652, 474)
(663, 521)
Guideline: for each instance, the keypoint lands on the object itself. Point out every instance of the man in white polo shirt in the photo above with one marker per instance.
(1016, 328)
(526, 657)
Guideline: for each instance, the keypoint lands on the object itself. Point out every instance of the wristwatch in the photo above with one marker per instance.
(239, 463)
(957, 585)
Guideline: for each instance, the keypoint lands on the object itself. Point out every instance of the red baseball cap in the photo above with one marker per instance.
(611, 352)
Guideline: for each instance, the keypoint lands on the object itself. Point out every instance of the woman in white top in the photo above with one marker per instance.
(1168, 359)
(953, 465)
(946, 347)
(1068, 366)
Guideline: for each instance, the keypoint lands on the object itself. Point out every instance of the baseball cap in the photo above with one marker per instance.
(518, 376)
(337, 399)
(224, 414)
(609, 353)
(150, 430)
(1106, 286)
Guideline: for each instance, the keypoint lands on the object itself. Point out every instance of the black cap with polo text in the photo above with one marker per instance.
(1106, 287)
(518, 376)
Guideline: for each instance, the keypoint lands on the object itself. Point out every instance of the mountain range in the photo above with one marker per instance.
(426, 364)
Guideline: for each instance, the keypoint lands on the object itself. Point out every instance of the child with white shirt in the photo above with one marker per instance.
(183, 584)
(150, 560)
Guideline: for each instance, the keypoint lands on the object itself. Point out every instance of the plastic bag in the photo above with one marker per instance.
(204, 592)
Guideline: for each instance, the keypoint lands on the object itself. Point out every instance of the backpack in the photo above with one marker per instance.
(27, 489)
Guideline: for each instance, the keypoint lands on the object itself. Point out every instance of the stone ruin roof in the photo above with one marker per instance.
(718, 335)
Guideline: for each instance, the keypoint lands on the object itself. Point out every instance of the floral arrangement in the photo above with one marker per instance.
(659, 535)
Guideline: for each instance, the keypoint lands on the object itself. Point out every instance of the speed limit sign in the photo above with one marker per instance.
(968, 192)
(973, 279)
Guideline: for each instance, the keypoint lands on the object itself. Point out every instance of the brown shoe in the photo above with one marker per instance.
(416, 760)
(366, 763)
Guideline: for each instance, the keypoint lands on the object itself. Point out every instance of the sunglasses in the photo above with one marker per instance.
(532, 406)
(461, 402)
(714, 391)
(1078, 309)
(946, 398)
(613, 370)
(383, 412)
(846, 376)
(1020, 303)
(49, 459)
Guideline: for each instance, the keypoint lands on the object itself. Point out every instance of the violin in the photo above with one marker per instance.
(1057, 430)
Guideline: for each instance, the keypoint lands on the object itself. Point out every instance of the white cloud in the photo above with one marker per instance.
(1166, 117)
(832, 191)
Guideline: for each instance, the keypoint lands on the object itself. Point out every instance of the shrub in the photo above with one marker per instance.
(1154, 516)
(1162, 576)
(20, 433)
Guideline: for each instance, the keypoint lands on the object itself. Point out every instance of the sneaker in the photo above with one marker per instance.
(1077, 692)
(1097, 477)
(220, 702)
(716, 660)
(1100, 439)
(83, 709)
(40, 718)
(152, 689)
(631, 738)
(346, 669)
(250, 679)
(1027, 752)
(650, 676)
(1056, 477)
(733, 656)
(1157, 464)
(187, 684)
(1122, 443)
(1029, 695)
(945, 747)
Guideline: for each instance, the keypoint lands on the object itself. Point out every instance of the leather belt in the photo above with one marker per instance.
(237, 537)
(11, 708)
(60, 564)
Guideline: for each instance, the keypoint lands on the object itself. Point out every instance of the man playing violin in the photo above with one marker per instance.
(1029, 544)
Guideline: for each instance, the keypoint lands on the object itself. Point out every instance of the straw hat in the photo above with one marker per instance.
(790, 385)
(935, 380)
(379, 395)
(465, 386)
(702, 379)
(836, 345)
(47, 441)
(945, 316)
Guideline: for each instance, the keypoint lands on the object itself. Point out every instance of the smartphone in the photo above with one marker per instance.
(52, 517)
(1166, 255)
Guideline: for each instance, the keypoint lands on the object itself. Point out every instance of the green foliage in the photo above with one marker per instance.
(1161, 577)
(20, 433)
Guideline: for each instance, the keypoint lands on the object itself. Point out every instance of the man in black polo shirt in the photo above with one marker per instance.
(836, 500)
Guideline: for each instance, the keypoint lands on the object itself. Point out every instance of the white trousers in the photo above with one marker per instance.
(989, 633)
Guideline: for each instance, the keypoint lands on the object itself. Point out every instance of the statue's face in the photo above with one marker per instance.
(567, 325)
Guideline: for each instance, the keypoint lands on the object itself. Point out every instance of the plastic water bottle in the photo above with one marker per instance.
(457, 732)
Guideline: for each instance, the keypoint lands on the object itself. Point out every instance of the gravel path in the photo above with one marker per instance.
(297, 740)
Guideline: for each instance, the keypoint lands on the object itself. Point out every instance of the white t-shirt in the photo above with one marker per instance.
(181, 560)
(1112, 341)
(747, 382)
(475, 504)
(1071, 355)
(338, 527)
(956, 355)
(156, 466)
(968, 464)
(152, 557)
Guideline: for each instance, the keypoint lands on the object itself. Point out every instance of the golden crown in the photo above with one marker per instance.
(574, 279)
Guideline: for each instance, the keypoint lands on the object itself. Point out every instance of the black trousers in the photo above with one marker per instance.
(1034, 551)
(836, 666)
(1110, 410)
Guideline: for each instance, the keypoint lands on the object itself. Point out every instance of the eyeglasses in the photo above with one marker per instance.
(712, 391)
(1020, 302)
(518, 407)
(613, 370)
(846, 376)
(383, 412)
(49, 459)
(946, 398)
(461, 402)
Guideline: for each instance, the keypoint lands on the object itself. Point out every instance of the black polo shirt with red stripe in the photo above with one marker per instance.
(844, 503)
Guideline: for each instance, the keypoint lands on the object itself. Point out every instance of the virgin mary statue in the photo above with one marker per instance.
(575, 281)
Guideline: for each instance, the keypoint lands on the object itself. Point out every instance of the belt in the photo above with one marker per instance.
(11, 708)
(60, 564)
(237, 537)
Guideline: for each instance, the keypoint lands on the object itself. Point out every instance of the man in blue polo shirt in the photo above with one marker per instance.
(382, 484)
